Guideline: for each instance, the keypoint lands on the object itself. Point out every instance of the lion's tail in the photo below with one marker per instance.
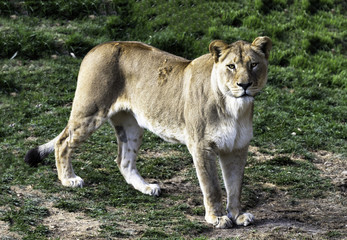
(36, 155)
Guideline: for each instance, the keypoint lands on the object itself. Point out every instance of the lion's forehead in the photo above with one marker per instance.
(240, 55)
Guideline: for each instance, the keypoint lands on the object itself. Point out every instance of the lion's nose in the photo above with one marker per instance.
(244, 85)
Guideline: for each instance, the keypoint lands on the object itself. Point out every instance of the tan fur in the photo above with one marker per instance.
(199, 103)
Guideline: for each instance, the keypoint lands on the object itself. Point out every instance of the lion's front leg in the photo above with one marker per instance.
(205, 164)
(233, 165)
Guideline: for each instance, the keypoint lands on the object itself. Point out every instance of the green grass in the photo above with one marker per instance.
(302, 110)
(289, 175)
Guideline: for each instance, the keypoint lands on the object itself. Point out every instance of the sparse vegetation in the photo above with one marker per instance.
(302, 111)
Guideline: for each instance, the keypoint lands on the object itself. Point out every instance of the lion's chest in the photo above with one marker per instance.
(232, 135)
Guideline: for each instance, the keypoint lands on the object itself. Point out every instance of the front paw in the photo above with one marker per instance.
(220, 222)
(244, 219)
(224, 222)
(73, 182)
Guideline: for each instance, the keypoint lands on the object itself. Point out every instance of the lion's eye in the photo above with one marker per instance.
(253, 65)
(231, 66)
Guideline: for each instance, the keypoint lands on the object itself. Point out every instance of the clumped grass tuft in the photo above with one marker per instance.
(151, 233)
(79, 44)
(313, 6)
(60, 8)
(27, 44)
(315, 42)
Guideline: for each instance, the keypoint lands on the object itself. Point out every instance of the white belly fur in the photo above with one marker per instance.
(227, 135)
(172, 134)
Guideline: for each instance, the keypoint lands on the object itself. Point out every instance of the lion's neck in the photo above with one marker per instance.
(234, 129)
(236, 108)
(239, 107)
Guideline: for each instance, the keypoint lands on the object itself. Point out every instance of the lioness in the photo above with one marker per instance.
(206, 104)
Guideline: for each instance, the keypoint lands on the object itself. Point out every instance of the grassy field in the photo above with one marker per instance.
(293, 177)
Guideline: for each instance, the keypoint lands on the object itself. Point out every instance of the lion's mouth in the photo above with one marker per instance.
(245, 94)
(239, 94)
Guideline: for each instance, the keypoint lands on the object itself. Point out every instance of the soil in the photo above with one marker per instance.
(63, 224)
(278, 217)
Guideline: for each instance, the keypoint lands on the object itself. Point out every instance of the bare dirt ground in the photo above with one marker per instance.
(63, 224)
(279, 217)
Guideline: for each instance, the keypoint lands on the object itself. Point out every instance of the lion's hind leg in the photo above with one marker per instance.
(77, 130)
(129, 136)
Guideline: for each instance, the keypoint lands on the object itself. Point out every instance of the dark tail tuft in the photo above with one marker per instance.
(33, 157)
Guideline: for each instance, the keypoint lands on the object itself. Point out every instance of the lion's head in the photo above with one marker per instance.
(240, 69)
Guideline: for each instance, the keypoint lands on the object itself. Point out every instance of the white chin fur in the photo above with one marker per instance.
(243, 99)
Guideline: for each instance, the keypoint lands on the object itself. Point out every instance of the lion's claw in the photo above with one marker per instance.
(153, 190)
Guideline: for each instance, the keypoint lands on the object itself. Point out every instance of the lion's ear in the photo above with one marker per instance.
(264, 44)
(216, 47)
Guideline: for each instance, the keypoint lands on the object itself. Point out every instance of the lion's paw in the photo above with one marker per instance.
(223, 222)
(245, 219)
(73, 182)
(153, 190)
